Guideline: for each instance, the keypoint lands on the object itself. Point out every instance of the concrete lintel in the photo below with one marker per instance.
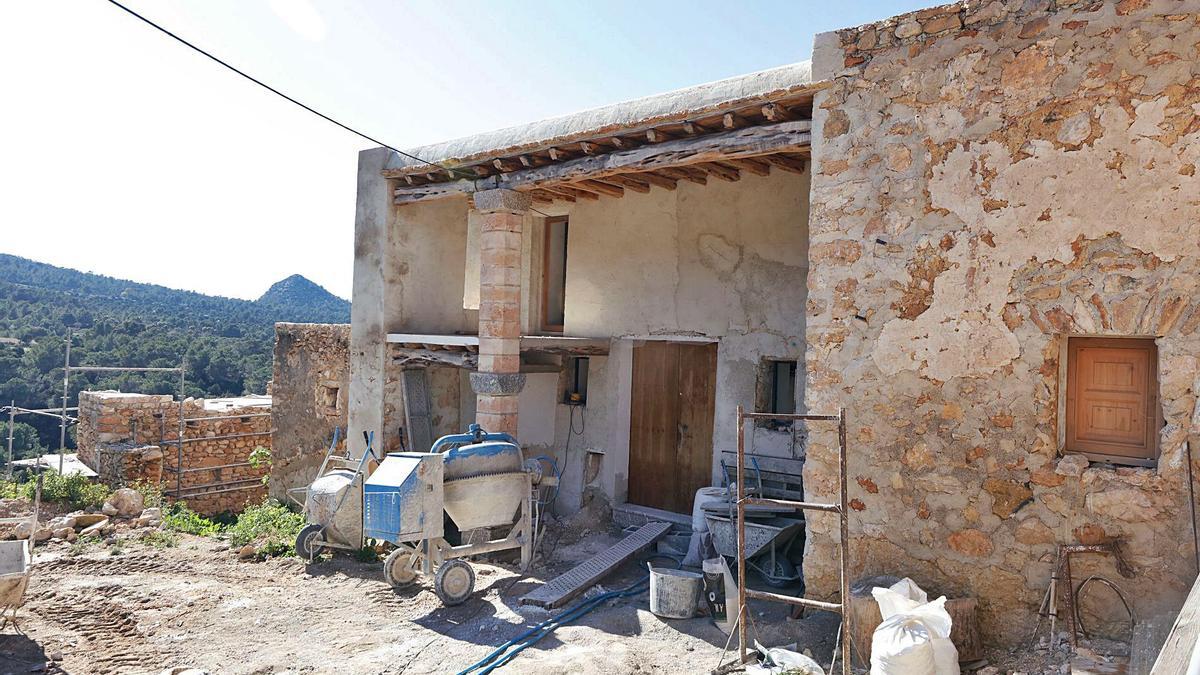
(497, 384)
(827, 56)
(502, 200)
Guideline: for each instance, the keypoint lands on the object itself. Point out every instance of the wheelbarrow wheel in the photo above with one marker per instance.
(780, 574)
(454, 582)
(399, 568)
(306, 542)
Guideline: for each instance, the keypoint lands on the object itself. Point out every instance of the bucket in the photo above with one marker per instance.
(674, 594)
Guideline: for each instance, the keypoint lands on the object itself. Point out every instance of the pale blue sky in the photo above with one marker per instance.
(124, 153)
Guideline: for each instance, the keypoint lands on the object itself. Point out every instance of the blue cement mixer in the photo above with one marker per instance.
(478, 479)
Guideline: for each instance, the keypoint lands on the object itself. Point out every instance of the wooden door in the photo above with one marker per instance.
(1112, 398)
(671, 423)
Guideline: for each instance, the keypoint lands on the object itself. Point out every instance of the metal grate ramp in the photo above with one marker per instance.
(566, 586)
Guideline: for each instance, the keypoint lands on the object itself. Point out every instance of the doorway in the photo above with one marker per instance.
(671, 423)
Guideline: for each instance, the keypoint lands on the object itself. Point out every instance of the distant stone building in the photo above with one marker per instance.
(127, 438)
(309, 390)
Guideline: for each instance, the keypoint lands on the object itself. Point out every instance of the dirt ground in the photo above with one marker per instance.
(150, 609)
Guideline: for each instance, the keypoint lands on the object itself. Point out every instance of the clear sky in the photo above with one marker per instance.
(124, 153)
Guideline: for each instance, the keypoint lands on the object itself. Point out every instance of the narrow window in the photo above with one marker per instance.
(577, 379)
(554, 275)
(329, 399)
(1112, 400)
(776, 391)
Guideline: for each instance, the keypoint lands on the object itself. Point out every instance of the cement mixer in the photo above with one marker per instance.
(478, 479)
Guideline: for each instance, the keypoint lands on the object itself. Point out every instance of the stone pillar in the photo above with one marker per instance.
(498, 379)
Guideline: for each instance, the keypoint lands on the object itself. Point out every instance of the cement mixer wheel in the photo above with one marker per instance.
(400, 568)
(454, 582)
(307, 547)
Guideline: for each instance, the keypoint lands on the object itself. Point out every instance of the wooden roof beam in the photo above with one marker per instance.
(754, 166)
(787, 163)
(658, 136)
(721, 171)
(777, 113)
(560, 155)
(732, 121)
(658, 180)
(697, 176)
(567, 193)
(756, 141)
(587, 148)
(694, 129)
(631, 182)
(601, 188)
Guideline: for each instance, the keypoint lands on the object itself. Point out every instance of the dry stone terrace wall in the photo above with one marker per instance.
(121, 435)
(309, 393)
(988, 178)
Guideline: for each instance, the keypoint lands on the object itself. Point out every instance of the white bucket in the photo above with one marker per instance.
(674, 594)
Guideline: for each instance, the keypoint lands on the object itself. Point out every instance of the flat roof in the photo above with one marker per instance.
(648, 111)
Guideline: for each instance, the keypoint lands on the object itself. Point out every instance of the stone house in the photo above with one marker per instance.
(974, 227)
(128, 438)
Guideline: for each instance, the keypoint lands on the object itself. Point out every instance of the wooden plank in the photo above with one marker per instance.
(565, 587)
(631, 181)
(1176, 653)
(737, 144)
(787, 163)
(657, 179)
(416, 409)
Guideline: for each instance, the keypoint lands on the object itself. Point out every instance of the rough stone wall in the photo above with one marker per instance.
(988, 178)
(310, 361)
(128, 438)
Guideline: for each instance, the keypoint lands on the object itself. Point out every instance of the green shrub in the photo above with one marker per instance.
(180, 518)
(269, 525)
(75, 490)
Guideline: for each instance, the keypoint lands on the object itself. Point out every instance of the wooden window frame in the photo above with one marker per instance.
(1153, 412)
(546, 230)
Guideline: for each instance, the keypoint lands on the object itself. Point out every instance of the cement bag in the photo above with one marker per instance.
(705, 495)
(914, 638)
(779, 660)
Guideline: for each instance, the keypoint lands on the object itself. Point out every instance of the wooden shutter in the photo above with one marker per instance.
(1112, 399)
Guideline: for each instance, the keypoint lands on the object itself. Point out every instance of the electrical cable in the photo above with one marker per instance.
(450, 170)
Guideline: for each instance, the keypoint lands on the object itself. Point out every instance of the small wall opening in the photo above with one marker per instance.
(776, 391)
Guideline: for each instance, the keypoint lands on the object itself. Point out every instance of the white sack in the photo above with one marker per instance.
(914, 638)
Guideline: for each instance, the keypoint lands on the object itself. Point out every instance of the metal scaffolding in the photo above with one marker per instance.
(841, 508)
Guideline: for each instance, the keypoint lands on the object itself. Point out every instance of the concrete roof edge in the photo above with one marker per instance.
(669, 106)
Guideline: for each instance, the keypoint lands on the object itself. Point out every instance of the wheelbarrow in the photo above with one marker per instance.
(767, 547)
(14, 579)
(333, 502)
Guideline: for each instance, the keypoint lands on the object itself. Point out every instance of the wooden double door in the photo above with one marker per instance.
(671, 423)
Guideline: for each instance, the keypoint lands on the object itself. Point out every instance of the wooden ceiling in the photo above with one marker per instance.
(721, 146)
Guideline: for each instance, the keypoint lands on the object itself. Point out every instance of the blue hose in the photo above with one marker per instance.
(502, 654)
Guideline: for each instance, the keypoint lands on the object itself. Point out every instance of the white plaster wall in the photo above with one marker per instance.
(429, 253)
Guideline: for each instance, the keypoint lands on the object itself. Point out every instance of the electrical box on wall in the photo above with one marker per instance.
(577, 377)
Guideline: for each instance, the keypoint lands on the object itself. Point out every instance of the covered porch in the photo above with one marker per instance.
(607, 286)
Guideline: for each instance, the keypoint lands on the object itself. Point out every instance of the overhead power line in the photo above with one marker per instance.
(275, 91)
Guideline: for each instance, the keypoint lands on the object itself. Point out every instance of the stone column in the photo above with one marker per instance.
(498, 379)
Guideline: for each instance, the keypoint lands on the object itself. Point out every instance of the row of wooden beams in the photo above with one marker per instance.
(699, 152)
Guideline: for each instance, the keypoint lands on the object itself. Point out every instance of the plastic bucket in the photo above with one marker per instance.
(674, 594)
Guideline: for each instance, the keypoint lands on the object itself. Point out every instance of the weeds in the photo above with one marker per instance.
(74, 490)
(81, 545)
(117, 548)
(180, 518)
(152, 493)
(160, 539)
(260, 458)
(269, 525)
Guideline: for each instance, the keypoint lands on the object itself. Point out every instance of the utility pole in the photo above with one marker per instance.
(62, 426)
(12, 412)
